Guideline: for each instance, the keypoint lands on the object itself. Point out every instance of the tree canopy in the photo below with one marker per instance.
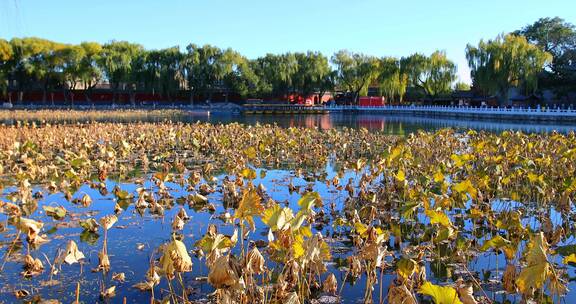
(504, 62)
(540, 53)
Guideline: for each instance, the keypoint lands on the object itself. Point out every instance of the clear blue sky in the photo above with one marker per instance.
(257, 27)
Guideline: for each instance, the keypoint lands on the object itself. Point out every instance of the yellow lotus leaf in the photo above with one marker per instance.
(439, 217)
(248, 207)
(536, 271)
(210, 243)
(57, 212)
(406, 267)
(309, 200)
(400, 176)
(569, 259)
(277, 218)
(465, 187)
(496, 242)
(438, 177)
(440, 294)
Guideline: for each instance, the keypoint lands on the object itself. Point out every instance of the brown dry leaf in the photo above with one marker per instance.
(32, 229)
(509, 279)
(466, 294)
(108, 221)
(222, 275)
(108, 292)
(400, 295)
(21, 293)
(120, 277)
(178, 223)
(71, 255)
(175, 258)
(255, 261)
(330, 285)
(32, 266)
(103, 261)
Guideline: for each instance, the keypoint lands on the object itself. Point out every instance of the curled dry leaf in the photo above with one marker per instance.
(108, 292)
(32, 266)
(120, 277)
(175, 258)
(330, 285)
(222, 275)
(400, 295)
(255, 262)
(90, 225)
(108, 221)
(71, 255)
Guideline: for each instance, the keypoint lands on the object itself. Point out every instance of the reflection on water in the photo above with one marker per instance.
(385, 123)
(390, 124)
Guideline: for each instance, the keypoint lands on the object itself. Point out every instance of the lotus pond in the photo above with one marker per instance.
(170, 212)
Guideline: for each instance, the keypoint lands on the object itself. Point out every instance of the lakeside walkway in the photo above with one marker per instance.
(548, 114)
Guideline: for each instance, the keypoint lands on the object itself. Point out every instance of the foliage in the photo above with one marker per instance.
(505, 62)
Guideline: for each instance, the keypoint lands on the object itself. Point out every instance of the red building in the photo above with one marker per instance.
(372, 101)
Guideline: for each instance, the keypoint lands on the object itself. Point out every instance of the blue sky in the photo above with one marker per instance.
(257, 27)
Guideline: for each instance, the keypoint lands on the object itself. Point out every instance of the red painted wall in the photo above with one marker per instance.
(372, 101)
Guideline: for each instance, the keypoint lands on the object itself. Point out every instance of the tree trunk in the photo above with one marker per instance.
(133, 98)
(191, 98)
(44, 97)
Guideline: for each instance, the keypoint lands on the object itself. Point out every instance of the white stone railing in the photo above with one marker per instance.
(459, 109)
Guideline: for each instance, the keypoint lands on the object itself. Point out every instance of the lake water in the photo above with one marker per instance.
(152, 230)
(385, 123)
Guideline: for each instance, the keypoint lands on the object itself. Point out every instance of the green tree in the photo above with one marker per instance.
(507, 61)
(242, 79)
(119, 58)
(461, 86)
(557, 37)
(355, 72)
(434, 75)
(313, 72)
(205, 67)
(162, 71)
(6, 55)
(392, 80)
(90, 72)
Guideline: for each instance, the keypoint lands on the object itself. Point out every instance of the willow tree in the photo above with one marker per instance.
(505, 62)
(312, 74)
(392, 80)
(118, 59)
(434, 74)
(6, 55)
(90, 73)
(277, 73)
(206, 67)
(355, 72)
